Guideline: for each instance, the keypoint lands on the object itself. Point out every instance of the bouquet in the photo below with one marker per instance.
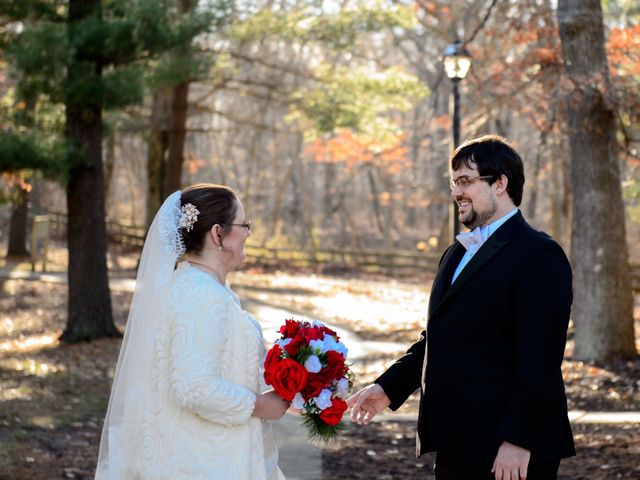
(307, 367)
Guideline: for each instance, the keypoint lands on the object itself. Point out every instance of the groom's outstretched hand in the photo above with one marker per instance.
(367, 403)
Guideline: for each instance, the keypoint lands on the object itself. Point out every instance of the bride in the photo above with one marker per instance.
(186, 401)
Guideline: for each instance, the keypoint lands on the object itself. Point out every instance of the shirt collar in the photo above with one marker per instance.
(487, 230)
(474, 239)
(493, 226)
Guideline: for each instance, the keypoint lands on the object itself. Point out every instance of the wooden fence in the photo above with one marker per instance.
(116, 232)
(368, 260)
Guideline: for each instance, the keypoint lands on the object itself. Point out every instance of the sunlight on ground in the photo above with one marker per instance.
(31, 366)
(17, 393)
(118, 258)
(377, 306)
(361, 307)
(31, 343)
(636, 315)
(43, 421)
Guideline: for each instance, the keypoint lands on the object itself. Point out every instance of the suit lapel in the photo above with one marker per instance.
(492, 246)
(442, 281)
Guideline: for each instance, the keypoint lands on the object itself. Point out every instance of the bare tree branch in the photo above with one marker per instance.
(481, 24)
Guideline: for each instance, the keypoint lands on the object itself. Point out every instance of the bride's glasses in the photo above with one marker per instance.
(246, 224)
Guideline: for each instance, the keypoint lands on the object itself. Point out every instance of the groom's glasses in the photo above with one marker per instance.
(246, 224)
(464, 181)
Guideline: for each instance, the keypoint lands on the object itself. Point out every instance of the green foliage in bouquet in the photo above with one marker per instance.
(320, 433)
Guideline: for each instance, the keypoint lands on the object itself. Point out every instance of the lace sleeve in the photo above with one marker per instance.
(198, 330)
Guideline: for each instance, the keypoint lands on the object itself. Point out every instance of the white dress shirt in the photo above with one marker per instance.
(473, 240)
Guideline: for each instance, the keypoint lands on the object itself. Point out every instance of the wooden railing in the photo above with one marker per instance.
(369, 260)
(117, 232)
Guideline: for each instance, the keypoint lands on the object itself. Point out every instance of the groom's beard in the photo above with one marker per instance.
(474, 218)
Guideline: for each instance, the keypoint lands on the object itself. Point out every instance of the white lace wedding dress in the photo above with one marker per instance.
(206, 373)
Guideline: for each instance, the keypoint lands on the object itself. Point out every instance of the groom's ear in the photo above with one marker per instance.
(501, 184)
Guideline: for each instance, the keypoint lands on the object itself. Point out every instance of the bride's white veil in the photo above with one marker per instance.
(122, 430)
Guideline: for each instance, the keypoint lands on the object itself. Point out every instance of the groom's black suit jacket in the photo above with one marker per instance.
(494, 344)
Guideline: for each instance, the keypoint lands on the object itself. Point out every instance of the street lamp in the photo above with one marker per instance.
(457, 62)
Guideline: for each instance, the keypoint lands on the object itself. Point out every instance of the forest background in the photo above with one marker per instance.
(333, 121)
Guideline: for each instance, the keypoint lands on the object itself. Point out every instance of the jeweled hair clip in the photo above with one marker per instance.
(189, 216)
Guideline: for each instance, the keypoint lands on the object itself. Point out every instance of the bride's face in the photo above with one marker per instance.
(233, 242)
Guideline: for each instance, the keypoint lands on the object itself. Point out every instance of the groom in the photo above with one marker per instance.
(488, 364)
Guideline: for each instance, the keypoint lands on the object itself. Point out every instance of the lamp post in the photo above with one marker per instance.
(457, 61)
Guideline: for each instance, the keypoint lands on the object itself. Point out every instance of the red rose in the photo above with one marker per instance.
(335, 368)
(313, 387)
(294, 345)
(311, 333)
(288, 378)
(333, 414)
(290, 328)
(273, 356)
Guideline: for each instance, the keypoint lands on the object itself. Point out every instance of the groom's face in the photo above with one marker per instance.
(477, 202)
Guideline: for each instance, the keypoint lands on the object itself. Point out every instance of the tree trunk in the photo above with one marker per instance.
(89, 299)
(533, 189)
(537, 164)
(301, 183)
(279, 195)
(19, 225)
(567, 198)
(556, 198)
(110, 162)
(417, 134)
(177, 136)
(253, 158)
(375, 200)
(603, 302)
(157, 144)
(178, 132)
(328, 193)
(252, 166)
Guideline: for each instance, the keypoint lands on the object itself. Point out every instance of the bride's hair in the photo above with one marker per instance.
(216, 204)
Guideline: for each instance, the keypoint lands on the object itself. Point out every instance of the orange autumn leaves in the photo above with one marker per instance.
(623, 49)
(351, 150)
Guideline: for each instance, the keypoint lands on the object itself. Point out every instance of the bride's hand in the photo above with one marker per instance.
(269, 406)
(294, 411)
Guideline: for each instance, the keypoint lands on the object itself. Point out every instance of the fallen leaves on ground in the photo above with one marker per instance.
(54, 396)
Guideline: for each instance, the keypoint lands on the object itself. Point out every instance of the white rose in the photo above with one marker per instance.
(312, 364)
(330, 343)
(283, 342)
(298, 401)
(318, 345)
(323, 400)
(342, 387)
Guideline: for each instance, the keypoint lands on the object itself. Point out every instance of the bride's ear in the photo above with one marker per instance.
(216, 235)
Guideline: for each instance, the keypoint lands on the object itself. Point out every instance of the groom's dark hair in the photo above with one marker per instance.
(216, 204)
(493, 156)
